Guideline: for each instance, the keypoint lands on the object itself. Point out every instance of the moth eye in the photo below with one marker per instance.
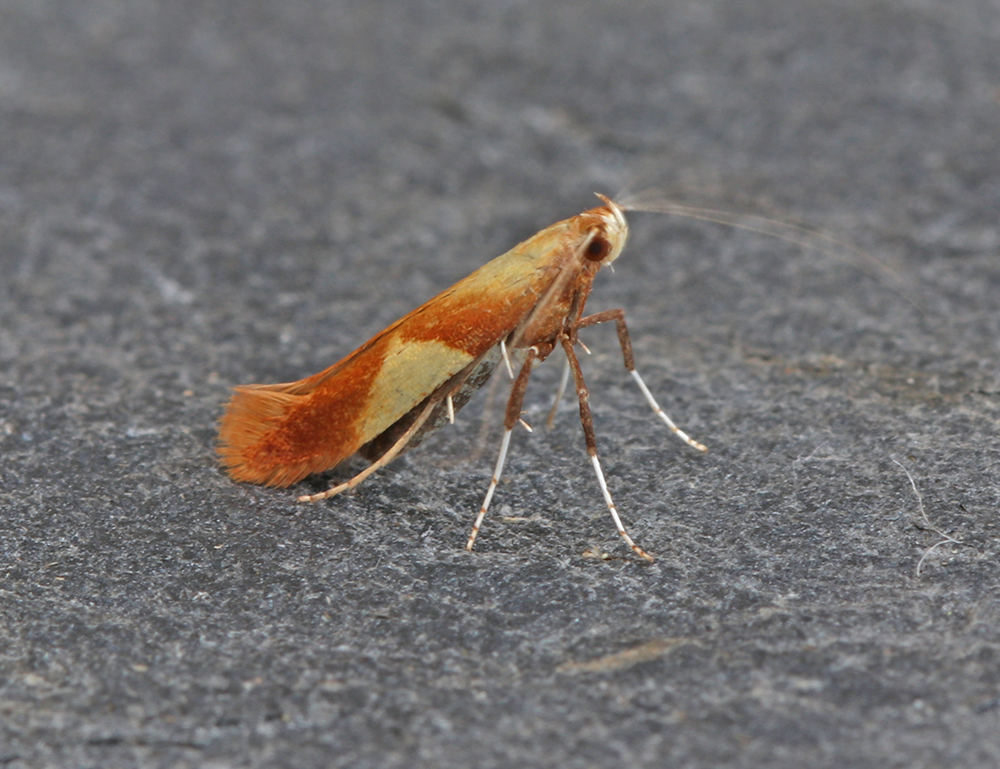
(598, 248)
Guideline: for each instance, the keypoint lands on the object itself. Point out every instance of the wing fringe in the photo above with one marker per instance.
(252, 419)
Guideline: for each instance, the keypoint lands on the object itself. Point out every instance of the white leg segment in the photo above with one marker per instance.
(504, 444)
(506, 358)
(614, 510)
(559, 395)
(663, 415)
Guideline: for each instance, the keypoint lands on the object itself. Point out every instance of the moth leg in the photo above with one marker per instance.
(563, 381)
(382, 461)
(588, 433)
(511, 418)
(618, 316)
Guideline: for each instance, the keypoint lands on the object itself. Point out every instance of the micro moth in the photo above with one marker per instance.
(411, 378)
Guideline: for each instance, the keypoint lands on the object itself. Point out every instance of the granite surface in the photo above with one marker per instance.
(195, 195)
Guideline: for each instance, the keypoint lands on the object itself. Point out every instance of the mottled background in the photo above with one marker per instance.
(200, 194)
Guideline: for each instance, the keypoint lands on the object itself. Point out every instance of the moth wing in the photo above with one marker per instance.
(278, 434)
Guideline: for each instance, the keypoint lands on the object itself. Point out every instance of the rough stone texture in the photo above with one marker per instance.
(199, 194)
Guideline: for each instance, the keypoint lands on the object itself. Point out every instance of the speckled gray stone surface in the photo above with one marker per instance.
(200, 194)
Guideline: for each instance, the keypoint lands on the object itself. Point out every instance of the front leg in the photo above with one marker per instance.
(618, 316)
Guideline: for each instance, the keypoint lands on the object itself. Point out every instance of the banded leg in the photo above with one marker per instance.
(588, 433)
(511, 418)
(618, 316)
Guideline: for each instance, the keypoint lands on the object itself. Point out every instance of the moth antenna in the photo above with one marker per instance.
(651, 201)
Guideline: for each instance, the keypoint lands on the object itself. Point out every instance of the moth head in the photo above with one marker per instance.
(608, 234)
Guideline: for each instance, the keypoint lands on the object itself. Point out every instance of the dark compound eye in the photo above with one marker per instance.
(598, 248)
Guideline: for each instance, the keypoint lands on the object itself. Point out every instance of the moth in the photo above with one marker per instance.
(411, 378)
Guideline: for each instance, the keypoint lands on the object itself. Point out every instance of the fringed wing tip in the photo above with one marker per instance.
(253, 415)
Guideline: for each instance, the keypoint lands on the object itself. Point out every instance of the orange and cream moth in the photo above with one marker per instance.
(411, 378)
